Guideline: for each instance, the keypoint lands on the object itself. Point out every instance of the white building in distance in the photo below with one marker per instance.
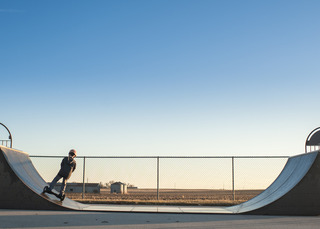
(119, 188)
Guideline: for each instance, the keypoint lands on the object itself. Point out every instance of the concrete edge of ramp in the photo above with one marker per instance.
(294, 192)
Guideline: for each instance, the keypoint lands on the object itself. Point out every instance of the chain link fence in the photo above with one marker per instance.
(181, 180)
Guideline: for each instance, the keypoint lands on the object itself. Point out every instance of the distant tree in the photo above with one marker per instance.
(108, 184)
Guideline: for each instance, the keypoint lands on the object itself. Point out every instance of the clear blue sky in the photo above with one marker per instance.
(160, 77)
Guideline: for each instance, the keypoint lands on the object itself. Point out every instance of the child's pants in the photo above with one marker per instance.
(63, 185)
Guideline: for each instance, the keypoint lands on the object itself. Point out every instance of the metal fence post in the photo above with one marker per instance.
(233, 191)
(83, 177)
(158, 178)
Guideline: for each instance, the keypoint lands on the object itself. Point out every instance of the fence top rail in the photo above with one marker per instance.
(165, 157)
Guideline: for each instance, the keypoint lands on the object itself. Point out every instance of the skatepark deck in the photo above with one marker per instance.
(294, 192)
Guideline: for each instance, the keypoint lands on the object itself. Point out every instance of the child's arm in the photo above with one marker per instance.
(75, 165)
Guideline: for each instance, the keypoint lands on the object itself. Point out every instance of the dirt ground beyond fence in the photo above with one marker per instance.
(206, 197)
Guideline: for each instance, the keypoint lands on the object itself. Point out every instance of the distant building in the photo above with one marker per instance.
(77, 187)
(119, 188)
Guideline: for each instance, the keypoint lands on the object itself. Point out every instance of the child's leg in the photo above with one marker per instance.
(63, 186)
(54, 181)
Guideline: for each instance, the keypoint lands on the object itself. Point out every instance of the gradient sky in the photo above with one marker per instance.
(162, 77)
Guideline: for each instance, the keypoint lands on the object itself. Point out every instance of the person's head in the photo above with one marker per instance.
(72, 153)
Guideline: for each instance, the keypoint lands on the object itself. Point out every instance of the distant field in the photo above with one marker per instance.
(168, 197)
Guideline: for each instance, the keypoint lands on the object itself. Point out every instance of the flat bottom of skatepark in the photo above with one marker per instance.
(76, 219)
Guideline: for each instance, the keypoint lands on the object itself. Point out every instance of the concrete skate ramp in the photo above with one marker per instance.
(295, 191)
(21, 185)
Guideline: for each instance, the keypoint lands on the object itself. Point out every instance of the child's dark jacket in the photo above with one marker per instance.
(67, 167)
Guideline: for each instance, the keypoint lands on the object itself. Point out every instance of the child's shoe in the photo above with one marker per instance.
(46, 189)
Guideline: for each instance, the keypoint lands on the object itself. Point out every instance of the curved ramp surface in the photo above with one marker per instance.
(21, 185)
(295, 191)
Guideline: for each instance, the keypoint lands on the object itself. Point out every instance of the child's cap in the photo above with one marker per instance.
(73, 151)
